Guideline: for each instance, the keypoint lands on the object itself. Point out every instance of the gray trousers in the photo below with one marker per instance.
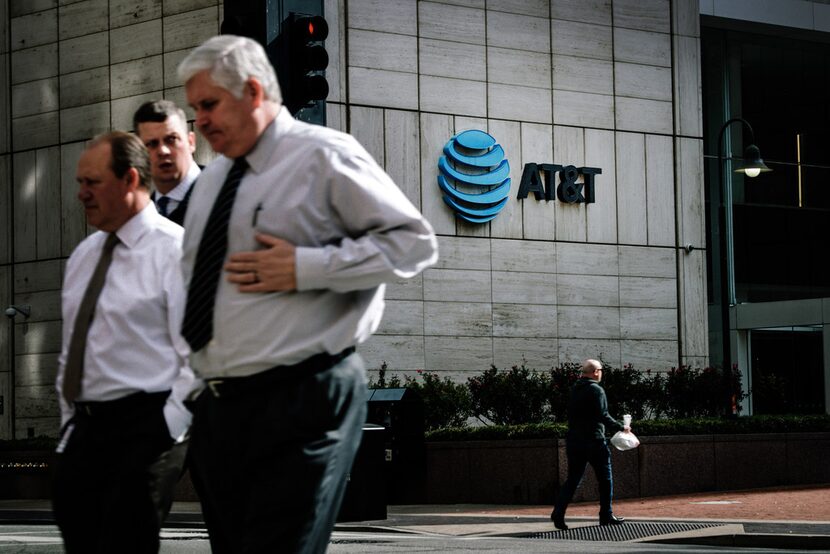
(270, 462)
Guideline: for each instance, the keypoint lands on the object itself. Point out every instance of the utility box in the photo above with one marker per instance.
(365, 497)
(401, 412)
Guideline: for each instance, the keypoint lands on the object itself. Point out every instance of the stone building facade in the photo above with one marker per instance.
(609, 84)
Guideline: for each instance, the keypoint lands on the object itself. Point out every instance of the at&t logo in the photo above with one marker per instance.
(473, 175)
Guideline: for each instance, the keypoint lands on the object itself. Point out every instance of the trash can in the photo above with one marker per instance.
(401, 412)
(365, 497)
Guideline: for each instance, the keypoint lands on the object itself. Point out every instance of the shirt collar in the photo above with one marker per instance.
(131, 232)
(258, 157)
(180, 191)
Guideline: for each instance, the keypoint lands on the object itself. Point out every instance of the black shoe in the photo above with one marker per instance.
(558, 521)
(611, 520)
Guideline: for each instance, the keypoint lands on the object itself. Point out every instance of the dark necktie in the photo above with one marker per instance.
(162, 204)
(197, 327)
(74, 371)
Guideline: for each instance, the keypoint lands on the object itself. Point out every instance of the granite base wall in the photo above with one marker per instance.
(531, 472)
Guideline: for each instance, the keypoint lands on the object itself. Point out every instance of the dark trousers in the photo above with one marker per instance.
(582, 452)
(270, 458)
(107, 490)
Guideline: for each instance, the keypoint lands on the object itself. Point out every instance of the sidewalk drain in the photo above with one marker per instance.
(627, 532)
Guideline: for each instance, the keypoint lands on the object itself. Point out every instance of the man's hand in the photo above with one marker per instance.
(268, 270)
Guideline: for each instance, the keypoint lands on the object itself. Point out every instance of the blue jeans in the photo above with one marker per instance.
(582, 452)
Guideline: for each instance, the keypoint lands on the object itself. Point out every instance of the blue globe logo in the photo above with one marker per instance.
(473, 175)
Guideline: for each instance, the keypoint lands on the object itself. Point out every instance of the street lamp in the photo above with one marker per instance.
(752, 166)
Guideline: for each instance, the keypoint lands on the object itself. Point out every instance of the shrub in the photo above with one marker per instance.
(511, 397)
(522, 395)
(394, 382)
(446, 403)
(561, 379)
(630, 391)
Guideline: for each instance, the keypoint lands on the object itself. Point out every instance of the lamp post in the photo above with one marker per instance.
(752, 166)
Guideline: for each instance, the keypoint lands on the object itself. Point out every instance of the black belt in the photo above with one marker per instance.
(122, 406)
(230, 386)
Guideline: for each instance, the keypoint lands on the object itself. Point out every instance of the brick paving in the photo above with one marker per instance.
(778, 504)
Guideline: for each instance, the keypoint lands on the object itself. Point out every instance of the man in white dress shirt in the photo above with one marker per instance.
(162, 127)
(284, 279)
(123, 371)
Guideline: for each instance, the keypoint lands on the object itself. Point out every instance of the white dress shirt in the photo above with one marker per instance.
(354, 229)
(177, 194)
(134, 342)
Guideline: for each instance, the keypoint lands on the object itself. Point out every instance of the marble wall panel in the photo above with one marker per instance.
(458, 60)
(393, 16)
(588, 290)
(130, 12)
(453, 319)
(602, 214)
(34, 97)
(454, 23)
(34, 29)
(584, 40)
(30, 64)
(648, 323)
(646, 15)
(587, 259)
(598, 12)
(388, 51)
(453, 96)
(523, 256)
(458, 353)
(583, 75)
(82, 18)
(524, 288)
(660, 190)
(588, 322)
(436, 130)
(524, 320)
(536, 353)
(457, 285)
(648, 292)
(632, 200)
(647, 262)
(136, 41)
(403, 152)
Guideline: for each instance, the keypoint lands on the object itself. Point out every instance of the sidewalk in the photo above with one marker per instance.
(783, 517)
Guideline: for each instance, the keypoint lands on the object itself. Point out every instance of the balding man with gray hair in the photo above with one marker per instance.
(290, 237)
(585, 444)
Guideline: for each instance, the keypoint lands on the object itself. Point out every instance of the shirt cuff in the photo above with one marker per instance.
(310, 268)
(178, 421)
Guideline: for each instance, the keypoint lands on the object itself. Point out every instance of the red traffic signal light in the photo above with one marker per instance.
(308, 28)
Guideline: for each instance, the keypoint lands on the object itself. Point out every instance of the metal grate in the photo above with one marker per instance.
(627, 532)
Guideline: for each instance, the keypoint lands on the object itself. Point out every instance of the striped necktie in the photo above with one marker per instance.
(197, 327)
(74, 370)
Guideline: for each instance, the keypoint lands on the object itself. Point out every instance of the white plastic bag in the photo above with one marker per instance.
(625, 440)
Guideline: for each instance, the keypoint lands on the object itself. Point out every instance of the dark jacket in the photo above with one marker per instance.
(588, 411)
(177, 215)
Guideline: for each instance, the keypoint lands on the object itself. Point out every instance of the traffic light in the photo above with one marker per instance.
(302, 60)
(247, 18)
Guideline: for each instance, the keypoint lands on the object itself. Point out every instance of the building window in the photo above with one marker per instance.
(781, 220)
